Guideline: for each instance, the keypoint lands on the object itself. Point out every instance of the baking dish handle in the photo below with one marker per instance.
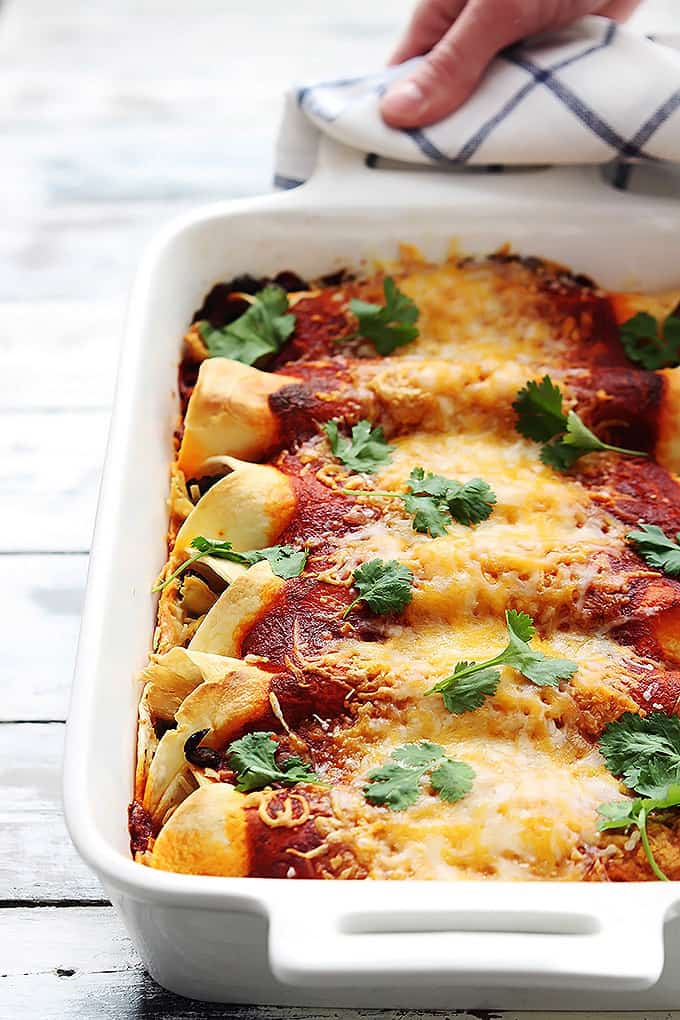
(349, 175)
(546, 943)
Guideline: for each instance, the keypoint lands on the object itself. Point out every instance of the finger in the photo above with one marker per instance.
(619, 9)
(451, 70)
(430, 22)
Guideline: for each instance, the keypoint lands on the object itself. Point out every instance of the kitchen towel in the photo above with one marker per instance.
(590, 93)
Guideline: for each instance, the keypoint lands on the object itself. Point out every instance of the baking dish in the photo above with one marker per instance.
(427, 945)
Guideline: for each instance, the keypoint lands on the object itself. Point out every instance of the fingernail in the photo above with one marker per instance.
(405, 99)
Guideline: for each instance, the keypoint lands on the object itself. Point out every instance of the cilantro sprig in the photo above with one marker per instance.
(656, 549)
(384, 585)
(285, 560)
(435, 501)
(644, 752)
(387, 326)
(398, 783)
(253, 759)
(565, 437)
(650, 343)
(259, 332)
(472, 682)
(367, 451)
(626, 814)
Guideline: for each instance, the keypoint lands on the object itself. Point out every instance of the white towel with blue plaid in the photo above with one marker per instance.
(590, 93)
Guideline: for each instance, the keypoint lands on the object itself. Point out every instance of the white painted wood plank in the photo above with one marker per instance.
(41, 615)
(42, 940)
(49, 476)
(134, 996)
(37, 859)
(75, 250)
(58, 354)
(115, 117)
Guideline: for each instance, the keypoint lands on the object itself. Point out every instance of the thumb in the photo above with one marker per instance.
(447, 75)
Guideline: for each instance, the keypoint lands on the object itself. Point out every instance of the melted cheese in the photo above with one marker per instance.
(474, 311)
(538, 781)
(532, 811)
(542, 548)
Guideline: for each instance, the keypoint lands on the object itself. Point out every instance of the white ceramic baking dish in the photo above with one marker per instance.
(429, 945)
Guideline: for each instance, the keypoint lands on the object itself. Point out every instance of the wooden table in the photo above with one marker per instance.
(113, 116)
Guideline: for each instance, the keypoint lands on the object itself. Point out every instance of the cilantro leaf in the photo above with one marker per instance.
(253, 759)
(657, 775)
(213, 547)
(259, 332)
(426, 501)
(532, 664)
(644, 752)
(428, 516)
(384, 585)
(418, 756)
(367, 451)
(624, 814)
(472, 502)
(466, 502)
(472, 686)
(650, 344)
(390, 325)
(425, 483)
(452, 780)
(579, 435)
(520, 626)
(285, 560)
(397, 784)
(657, 549)
(560, 456)
(434, 501)
(471, 682)
(617, 814)
(393, 785)
(539, 410)
(566, 438)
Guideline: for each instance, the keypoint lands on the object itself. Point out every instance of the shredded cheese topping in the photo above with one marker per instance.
(548, 549)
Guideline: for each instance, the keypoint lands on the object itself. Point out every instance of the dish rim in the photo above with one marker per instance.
(651, 903)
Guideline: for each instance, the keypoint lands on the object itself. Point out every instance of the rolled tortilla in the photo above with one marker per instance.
(268, 833)
(206, 835)
(221, 694)
(626, 305)
(229, 414)
(667, 450)
(226, 707)
(249, 508)
(223, 629)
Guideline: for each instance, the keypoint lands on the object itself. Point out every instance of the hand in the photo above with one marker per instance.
(460, 38)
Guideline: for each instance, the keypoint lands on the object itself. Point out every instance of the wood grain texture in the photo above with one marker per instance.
(116, 117)
(42, 617)
(50, 465)
(90, 939)
(78, 344)
(127, 997)
(37, 859)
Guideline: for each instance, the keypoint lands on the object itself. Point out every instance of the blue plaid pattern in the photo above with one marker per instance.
(593, 93)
